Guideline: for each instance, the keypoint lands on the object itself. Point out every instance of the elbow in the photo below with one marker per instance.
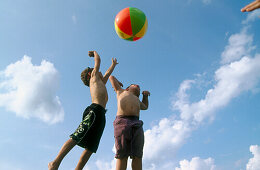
(145, 108)
(111, 78)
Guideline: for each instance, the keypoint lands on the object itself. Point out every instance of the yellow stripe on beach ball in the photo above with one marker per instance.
(121, 34)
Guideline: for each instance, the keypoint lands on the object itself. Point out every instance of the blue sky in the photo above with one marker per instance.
(199, 59)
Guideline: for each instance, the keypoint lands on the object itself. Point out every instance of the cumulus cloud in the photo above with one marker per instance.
(86, 168)
(30, 90)
(170, 134)
(101, 165)
(252, 16)
(197, 163)
(166, 137)
(230, 80)
(238, 46)
(254, 163)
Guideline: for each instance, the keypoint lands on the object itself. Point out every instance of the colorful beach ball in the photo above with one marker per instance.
(130, 24)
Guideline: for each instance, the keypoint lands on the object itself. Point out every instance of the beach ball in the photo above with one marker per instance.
(130, 24)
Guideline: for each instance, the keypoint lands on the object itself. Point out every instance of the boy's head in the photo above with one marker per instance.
(85, 75)
(134, 88)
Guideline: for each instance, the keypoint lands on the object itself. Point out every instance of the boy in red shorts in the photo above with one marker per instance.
(128, 129)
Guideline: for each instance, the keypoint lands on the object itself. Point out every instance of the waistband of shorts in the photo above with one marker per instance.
(128, 117)
(98, 107)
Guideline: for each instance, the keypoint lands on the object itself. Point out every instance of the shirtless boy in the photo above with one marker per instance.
(90, 130)
(128, 129)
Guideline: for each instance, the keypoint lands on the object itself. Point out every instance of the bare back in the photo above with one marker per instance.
(98, 90)
(127, 104)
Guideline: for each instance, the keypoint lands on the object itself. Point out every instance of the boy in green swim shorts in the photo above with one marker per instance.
(90, 130)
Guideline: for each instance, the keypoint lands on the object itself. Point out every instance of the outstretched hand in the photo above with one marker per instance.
(146, 93)
(254, 5)
(114, 61)
(92, 54)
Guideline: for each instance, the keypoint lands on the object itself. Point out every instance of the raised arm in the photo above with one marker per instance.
(97, 61)
(110, 70)
(144, 104)
(115, 83)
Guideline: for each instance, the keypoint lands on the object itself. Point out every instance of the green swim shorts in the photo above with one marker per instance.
(90, 130)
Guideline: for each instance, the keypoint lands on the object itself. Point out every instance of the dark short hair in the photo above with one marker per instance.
(86, 75)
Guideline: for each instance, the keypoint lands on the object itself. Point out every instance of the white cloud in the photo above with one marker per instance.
(254, 163)
(166, 137)
(231, 80)
(105, 165)
(30, 90)
(252, 16)
(86, 168)
(197, 163)
(240, 75)
(239, 45)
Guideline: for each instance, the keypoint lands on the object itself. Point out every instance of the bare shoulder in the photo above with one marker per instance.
(120, 92)
(94, 73)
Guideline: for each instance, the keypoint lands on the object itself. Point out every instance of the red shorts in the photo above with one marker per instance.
(129, 137)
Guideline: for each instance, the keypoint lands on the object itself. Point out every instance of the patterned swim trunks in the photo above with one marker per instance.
(90, 130)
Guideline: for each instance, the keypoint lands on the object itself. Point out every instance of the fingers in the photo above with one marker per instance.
(245, 8)
(114, 60)
(91, 53)
(251, 7)
(248, 6)
(146, 93)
